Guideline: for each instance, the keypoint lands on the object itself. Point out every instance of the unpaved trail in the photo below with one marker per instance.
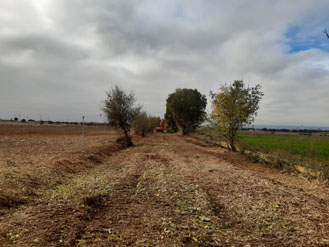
(174, 191)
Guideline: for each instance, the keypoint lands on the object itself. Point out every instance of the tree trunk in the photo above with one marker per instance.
(184, 131)
(129, 143)
(232, 146)
(232, 139)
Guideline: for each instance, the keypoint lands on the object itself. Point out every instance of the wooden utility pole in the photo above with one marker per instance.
(83, 131)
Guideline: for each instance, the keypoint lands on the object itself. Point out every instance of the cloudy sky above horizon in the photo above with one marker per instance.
(58, 57)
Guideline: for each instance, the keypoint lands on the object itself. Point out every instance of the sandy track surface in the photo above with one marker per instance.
(173, 191)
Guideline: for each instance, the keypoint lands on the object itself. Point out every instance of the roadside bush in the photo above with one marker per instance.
(145, 124)
(142, 124)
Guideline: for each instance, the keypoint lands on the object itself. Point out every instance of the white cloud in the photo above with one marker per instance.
(57, 58)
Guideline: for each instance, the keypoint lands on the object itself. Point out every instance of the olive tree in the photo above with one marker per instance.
(121, 111)
(186, 108)
(234, 106)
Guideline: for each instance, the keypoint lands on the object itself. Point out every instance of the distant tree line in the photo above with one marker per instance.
(23, 120)
(288, 130)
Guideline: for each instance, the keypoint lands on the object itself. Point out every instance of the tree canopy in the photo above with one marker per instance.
(186, 108)
(234, 106)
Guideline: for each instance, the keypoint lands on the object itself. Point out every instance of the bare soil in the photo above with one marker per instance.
(164, 191)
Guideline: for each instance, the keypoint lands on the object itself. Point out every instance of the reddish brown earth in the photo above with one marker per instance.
(164, 191)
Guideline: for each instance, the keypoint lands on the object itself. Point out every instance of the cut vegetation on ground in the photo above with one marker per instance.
(164, 191)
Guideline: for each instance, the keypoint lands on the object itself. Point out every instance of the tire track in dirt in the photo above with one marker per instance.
(279, 208)
(273, 175)
(99, 221)
(60, 222)
(113, 212)
(151, 207)
(166, 192)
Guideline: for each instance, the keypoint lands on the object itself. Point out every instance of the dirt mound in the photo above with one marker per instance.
(26, 188)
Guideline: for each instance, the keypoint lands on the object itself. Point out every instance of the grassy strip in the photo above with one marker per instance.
(292, 152)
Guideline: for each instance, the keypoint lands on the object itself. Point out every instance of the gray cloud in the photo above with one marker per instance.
(57, 58)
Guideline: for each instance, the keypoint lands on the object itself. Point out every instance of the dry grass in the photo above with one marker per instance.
(167, 191)
(35, 158)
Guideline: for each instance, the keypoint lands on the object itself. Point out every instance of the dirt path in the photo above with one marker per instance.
(173, 191)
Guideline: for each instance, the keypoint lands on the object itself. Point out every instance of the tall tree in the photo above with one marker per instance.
(121, 111)
(234, 106)
(186, 107)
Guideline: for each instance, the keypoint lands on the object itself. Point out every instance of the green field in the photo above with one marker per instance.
(310, 147)
(315, 147)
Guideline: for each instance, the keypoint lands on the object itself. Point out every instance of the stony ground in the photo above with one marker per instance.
(165, 191)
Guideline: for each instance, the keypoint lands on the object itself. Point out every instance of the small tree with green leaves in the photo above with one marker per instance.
(186, 108)
(121, 111)
(234, 106)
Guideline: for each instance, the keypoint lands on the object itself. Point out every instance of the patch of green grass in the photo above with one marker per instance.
(305, 146)
(284, 150)
(313, 147)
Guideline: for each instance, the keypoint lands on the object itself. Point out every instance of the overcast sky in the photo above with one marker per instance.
(58, 57)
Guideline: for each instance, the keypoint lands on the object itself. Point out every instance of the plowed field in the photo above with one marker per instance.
(57, 190)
